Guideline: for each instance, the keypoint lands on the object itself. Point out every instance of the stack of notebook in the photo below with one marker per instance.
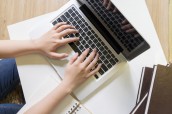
(155, 91)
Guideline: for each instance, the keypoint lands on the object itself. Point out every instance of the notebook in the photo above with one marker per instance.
(160, 93)
(68, 106)
(145, 81)
(140, 107)
(144, 86)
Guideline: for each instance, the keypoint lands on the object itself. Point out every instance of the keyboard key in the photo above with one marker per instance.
(87, 46)
(116, 60)
(112, 61)
(81, 47)
(86, 38)
(55, 22)
(71, 35)
(59, 20)
(73, 15)
(77, 35)
(70, 11)
(93, 46)
(64, 18)
(101, 71)
(97, 77)
(67, 15)
(109, 65)
(108, 56)
(88, 33)
(90, 42)
(85, 29)
(104, 67)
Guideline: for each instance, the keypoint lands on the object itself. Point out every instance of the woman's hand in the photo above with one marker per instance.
(79, 69)
(53, 39)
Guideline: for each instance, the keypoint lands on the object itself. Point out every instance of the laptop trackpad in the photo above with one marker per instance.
(59, 65)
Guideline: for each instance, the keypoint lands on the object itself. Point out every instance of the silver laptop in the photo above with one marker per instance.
(98, 28)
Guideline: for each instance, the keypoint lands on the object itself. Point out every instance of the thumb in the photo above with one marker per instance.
(55, 55)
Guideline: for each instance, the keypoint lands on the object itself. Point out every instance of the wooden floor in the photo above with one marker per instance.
(170, 30)
(12, 11)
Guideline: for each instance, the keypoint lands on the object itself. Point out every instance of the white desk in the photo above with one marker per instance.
(118, 95)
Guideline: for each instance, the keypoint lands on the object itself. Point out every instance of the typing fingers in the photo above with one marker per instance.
(92, 63)
(64, 27)
(67, 31)
(90, 58)
(93, 72)
(58, 25)
(82, 57)
(66, 41)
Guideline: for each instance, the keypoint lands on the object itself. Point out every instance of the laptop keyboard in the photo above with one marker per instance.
(88, 39)
(114, 22)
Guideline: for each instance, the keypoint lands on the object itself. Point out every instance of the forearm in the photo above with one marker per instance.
(10, 48)
(48, 104)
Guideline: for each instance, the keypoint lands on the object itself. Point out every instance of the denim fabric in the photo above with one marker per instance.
(9, 79)
(10, 108)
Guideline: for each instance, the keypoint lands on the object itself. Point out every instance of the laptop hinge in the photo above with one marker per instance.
(87, 12)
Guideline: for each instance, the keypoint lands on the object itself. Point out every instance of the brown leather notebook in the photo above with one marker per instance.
(140, 107)
(160, 94)
(145, 81)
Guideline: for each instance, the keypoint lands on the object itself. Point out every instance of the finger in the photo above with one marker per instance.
(64, 27)
(94, 71)
(93, 63)
(124, 22)
(66, 41)
(74, 58)
(130, 30)
(109, 6)
(125, 27)
(55, 55)
(67, 31)
(136, 35)
(105, 3)
(58, 25)
(90, 58)
(115, 10)
(83, 56)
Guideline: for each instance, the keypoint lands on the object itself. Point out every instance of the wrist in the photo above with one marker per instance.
(68, 88)
(36, 45)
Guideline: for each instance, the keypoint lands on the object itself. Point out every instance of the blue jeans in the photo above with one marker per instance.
(9, 79)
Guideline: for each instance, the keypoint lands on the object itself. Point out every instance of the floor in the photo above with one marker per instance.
(12, 12)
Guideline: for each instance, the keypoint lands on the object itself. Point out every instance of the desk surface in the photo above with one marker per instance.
(12, 12)
(125, 86)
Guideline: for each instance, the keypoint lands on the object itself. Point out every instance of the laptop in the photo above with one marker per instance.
(98, 28)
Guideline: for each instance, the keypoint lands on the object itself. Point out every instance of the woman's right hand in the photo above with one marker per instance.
(80, 68)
